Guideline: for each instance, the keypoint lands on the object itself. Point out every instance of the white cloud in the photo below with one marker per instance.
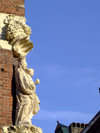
(78, 78)
(64, 115)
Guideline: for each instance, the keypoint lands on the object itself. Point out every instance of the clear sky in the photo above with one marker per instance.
(66, 58)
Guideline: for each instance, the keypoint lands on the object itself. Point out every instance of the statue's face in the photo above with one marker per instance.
(31, 72)
(24, 64)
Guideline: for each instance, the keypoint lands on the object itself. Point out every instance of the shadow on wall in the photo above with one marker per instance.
(14, 96)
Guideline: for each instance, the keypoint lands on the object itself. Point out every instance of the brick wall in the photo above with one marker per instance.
(7, 87)
(12, 7)
(7, 63)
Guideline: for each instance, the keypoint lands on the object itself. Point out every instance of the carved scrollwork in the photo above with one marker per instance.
(18, 35)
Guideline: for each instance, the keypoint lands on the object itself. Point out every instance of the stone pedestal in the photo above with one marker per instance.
(21, 129)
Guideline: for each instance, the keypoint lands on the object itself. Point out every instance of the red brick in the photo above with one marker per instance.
(6, 99)
(12, 7)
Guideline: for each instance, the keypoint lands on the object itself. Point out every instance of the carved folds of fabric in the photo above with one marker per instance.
(27, 100)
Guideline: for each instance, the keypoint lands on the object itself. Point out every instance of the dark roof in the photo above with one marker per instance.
(61, 125)
(63, 128)
(93, 124)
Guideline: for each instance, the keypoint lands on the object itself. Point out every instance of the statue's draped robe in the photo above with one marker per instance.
(27, 100)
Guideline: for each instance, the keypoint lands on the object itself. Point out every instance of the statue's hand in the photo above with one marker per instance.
(37, 81)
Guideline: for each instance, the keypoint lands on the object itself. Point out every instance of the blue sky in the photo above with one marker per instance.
(66, 58)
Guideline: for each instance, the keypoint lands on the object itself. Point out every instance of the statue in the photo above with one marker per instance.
(27, 100)
(18, 35)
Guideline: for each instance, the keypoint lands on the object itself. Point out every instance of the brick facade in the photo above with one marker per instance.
(12, 7)
(7, 64)
(7, 87)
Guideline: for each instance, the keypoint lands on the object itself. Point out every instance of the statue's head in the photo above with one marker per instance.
(23, 63)
(30, 72)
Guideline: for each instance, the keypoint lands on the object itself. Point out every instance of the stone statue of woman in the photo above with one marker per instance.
(27, 100)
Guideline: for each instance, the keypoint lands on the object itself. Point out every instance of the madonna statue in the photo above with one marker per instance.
(27, 100)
